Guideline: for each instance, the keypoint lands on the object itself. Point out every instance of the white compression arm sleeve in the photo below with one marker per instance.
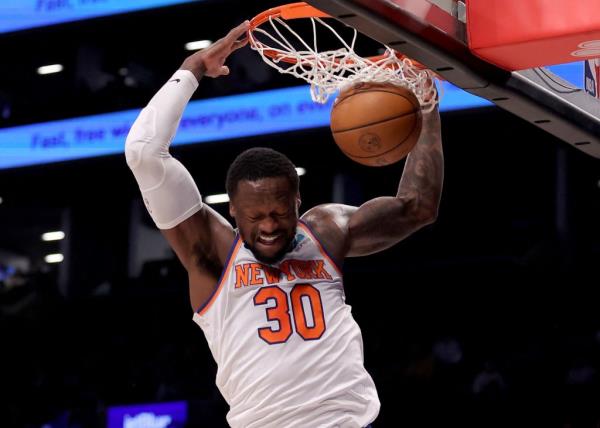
(168, 189)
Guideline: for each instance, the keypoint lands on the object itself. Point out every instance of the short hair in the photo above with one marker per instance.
(257, 163)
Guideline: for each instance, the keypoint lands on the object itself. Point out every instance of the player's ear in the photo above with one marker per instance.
(231, 209)
(298, 201)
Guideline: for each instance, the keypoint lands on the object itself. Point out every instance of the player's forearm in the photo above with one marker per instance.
(423, 175)
(168, 104)
(168, 190)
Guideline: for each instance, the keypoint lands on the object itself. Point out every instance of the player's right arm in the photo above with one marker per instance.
(199, 236)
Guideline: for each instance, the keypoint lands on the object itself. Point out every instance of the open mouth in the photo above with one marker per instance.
(268, 239)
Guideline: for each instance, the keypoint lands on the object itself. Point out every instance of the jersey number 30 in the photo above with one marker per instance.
(281, 313)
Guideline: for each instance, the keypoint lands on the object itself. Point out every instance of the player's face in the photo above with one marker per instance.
(266, 214)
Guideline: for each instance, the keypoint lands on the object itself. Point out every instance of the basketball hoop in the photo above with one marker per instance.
(332, 70)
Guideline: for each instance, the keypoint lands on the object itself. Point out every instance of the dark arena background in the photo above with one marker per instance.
(487, 318)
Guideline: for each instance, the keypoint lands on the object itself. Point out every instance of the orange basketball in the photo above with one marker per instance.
(376, 124)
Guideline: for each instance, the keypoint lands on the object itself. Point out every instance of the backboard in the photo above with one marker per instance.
(433, 32)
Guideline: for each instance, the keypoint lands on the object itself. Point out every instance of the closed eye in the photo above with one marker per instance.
(274, 214)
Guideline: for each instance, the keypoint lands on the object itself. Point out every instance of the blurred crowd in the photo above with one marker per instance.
(439, 357)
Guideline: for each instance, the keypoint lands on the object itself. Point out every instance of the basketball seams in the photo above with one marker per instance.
(365, 90)
(387, 151)
(400, 116)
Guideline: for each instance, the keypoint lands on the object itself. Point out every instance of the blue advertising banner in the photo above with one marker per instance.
(216, 119)
(22, 14)
(157, 415)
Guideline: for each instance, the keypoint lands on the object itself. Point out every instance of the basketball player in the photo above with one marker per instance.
(269, 295)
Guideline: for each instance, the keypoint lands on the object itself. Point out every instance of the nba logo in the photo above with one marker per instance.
(592, 77)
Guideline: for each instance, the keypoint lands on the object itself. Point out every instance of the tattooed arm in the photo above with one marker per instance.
(382, 222)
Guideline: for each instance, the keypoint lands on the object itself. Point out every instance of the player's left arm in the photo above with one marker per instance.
(382, 222)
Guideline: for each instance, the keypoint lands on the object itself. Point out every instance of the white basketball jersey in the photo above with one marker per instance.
(288, 351)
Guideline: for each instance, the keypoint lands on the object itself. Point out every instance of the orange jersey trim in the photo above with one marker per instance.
(224, 276)
(322, 249)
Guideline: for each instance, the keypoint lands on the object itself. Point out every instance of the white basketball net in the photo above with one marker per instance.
(329, 71)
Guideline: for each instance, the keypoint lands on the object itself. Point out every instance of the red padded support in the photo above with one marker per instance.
(521, 34)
